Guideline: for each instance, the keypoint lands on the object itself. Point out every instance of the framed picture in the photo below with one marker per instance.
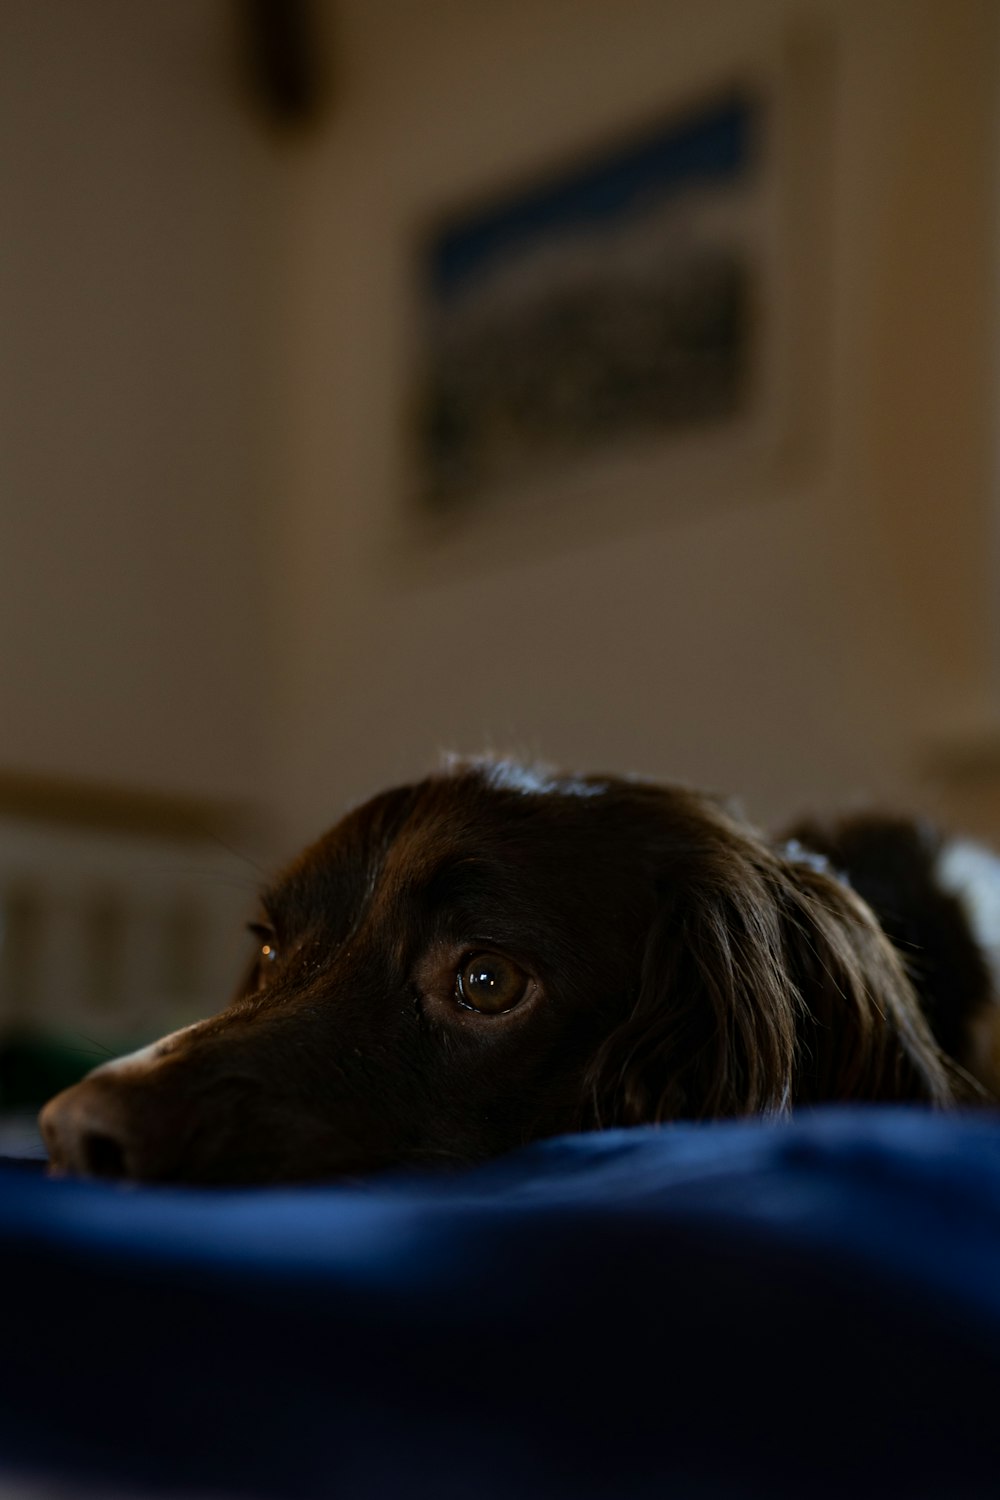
(635, 310)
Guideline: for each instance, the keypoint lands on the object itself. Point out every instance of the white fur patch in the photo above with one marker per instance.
(532, 780)
(971, 873)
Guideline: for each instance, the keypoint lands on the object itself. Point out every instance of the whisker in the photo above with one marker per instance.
(239, 854)
(102, 1049)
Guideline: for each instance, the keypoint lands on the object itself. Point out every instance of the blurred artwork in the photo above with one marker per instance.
(606, 306)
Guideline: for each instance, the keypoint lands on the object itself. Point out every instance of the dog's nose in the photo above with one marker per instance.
(86, 1131)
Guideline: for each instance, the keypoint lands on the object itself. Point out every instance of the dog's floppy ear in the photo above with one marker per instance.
(862, 1033)
(765, 983)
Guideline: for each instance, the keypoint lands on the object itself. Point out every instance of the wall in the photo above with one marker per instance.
(204, 585)
(138, 287)
(799, 641)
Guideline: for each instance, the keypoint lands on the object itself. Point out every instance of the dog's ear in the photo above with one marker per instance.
(862, 1033)
(765, 983)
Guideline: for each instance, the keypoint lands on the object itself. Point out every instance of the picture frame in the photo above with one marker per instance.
(643, 319)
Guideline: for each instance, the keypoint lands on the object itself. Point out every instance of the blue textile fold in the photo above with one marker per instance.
(732, 1309)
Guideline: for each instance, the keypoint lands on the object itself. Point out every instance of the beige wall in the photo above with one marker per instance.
(137, 292)
(798, 641)
(204, 582)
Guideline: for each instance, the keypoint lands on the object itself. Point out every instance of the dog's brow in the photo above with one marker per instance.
(454, 870)
(467, 881)
(270, 909)
(294, 904)
(336, 885)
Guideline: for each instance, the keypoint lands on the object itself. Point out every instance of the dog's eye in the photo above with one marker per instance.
(267, 952)
(491, 983)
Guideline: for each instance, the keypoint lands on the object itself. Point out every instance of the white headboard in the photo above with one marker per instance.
(114, 932)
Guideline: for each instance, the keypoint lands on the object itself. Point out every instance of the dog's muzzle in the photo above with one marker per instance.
(102, 1126)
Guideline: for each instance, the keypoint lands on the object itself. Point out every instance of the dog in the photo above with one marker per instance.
(498, 953)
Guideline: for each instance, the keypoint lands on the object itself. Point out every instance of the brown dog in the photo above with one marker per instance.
(496, 954)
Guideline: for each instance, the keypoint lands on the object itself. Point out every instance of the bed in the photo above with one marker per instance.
(733, 1309)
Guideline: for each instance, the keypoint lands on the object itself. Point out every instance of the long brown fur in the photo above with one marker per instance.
(767, 983)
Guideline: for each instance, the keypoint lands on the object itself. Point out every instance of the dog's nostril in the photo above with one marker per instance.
(102, 1155)
(90, 1130)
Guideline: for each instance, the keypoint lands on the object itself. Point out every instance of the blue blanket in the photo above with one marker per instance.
(739, 1309)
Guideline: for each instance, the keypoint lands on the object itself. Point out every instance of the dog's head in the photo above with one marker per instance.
(492, 955)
